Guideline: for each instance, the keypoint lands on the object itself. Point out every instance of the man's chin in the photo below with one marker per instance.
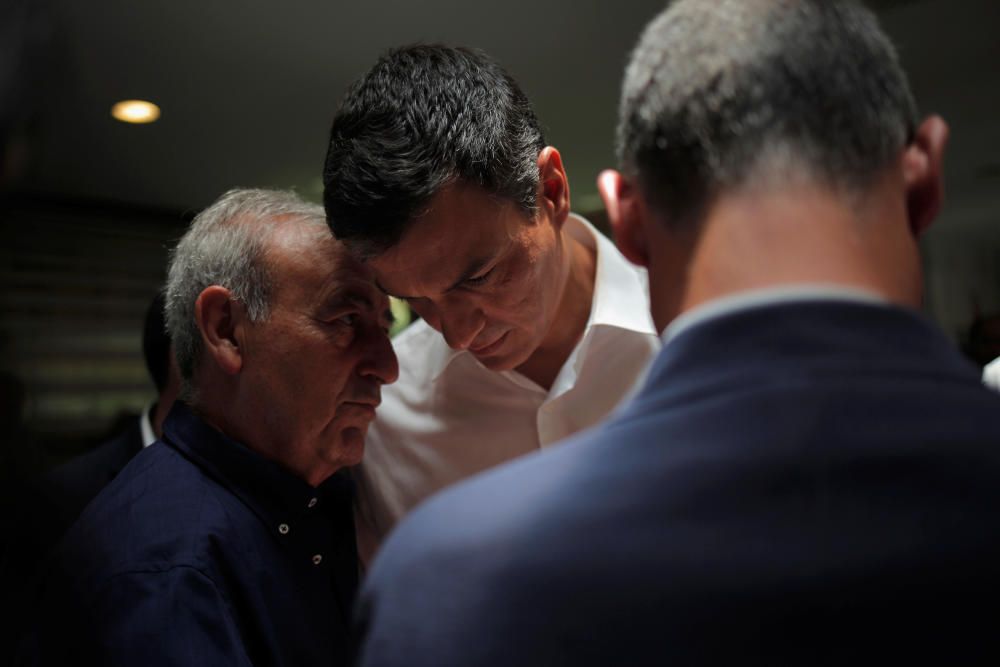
(498, 364)
(504, 362)
(352, 444)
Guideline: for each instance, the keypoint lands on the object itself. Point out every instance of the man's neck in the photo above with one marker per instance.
(543, 366)
(241, 421)
(753, 241)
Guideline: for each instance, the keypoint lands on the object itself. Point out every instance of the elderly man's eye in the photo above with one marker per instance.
(348, 320)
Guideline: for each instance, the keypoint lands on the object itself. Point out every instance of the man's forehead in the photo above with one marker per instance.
(304, 255)
(423, 273)
(351, 278)
(450, 241)
(291, 238)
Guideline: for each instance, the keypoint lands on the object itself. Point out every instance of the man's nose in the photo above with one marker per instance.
(460, 326)
(380, 359)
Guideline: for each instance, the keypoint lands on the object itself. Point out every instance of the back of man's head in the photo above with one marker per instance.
(422, 117)
(722, 93)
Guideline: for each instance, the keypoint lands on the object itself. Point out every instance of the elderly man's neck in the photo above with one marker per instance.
(248, 425)
(768, 237)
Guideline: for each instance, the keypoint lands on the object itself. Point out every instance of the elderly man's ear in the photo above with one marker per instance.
(221, 320)
(625, 211)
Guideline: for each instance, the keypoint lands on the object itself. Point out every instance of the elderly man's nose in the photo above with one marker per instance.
(380, 359)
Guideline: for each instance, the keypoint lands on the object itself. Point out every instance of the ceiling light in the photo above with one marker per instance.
(135, 111)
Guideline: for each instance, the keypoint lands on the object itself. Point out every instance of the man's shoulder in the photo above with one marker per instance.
(480, 515)
(87, 473)
(632, 507)
(491, 534)
(669, 431)
(161, 511)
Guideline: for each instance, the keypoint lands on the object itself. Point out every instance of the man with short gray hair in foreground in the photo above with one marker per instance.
(811, 473)
(231, 541)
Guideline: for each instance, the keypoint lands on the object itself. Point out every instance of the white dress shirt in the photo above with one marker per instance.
(449, 417)
(146, 425)
(991, 374)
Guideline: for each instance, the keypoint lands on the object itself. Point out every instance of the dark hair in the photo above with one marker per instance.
(718, 93)
(423, 117)
(156, 342)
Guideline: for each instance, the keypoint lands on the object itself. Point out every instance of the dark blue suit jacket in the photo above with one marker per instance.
(799, 484)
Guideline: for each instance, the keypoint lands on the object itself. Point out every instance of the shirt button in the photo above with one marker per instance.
(283, 529)
(312, 502)
(317, 559)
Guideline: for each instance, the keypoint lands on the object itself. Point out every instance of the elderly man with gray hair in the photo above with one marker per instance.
(231, 542)
(811, 473)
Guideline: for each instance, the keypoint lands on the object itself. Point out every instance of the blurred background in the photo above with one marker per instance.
(90, 205)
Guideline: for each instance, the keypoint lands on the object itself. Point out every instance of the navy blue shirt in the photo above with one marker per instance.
(201, 552)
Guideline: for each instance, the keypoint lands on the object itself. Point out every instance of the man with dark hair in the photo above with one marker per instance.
(438, 173)
(811, 473)
(230, 540)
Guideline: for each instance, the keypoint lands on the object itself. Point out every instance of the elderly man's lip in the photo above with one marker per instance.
(368, 403)
(366, 407)
(486, 349)
(373, 402)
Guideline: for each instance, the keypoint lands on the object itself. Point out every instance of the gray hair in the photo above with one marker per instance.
(720, 93)
(226, 245)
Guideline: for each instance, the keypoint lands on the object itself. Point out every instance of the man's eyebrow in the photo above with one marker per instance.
(474, 266)
(360, 300)
(350, 295)
(365, 302)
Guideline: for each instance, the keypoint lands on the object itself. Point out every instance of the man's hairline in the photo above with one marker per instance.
(273, 236)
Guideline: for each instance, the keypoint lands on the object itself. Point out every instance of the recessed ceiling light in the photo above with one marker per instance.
(135, 111)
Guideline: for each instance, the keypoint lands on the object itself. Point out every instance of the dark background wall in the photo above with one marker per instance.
(76, 278)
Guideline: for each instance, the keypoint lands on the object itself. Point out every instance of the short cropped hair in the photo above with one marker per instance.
(423, 117)
(226, 245)
(724, 91)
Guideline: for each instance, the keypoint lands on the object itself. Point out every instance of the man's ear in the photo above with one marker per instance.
(624, 213)
(923, 173)
(553, 184)
(219, 318)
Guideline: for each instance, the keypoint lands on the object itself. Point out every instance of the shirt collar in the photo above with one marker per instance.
(146, 425)
(621, 295)
(271, 491)
(621, 291)
(769, 296)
